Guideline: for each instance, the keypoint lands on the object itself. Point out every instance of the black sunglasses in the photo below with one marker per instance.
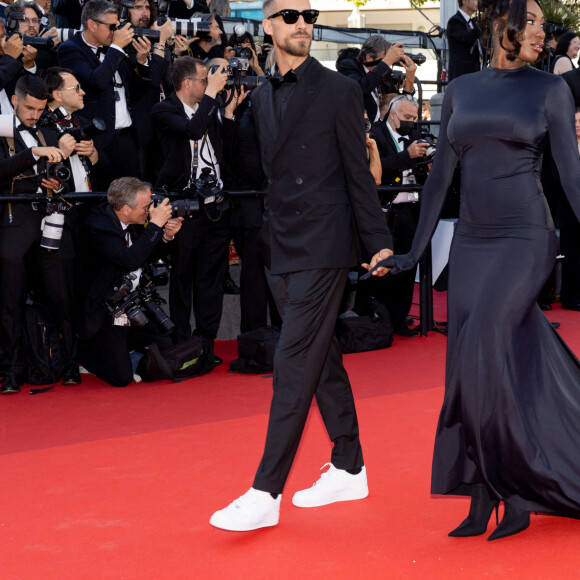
(112, 27)
(291, 16)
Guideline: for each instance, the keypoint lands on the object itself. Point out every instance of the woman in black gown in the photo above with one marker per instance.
(509, 428)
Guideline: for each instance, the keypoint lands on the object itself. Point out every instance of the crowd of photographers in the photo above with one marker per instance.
(152, 95)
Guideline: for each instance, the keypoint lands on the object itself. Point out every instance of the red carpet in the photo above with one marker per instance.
(104, 483)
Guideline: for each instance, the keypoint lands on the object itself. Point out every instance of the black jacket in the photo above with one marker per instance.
(463, 46)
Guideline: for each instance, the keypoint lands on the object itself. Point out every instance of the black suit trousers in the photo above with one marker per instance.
(307, 364)
(199, 262)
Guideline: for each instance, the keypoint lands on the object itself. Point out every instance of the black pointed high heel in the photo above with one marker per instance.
(480, 510)
(513, 522)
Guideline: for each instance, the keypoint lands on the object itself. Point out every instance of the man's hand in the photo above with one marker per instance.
(382, 255)
(67, 144)
(123, 36)
(234, 103)
(395, 53)
(182, 44)
(52, 184)
(165, 31)
(51, 32)
(417, 150)
(87, 148)
(161, 214)
(143, 47)
(28, 56)
(13, 46)
(53, 154)
(172, 227)
(216, 82)
(229, 52)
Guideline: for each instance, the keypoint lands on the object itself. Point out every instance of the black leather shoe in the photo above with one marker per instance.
(571, 306)
(71, 375)
(546, 306)
(407, 332)
(11, 384)
(230, 287)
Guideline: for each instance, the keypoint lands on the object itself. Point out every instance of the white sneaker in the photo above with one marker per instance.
(253, 510)
(334, 485)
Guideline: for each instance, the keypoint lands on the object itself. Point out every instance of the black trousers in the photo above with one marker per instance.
(199, 261)
(20, 251)
(307, 364)
(122, 156)
(107, 354)
(570, 248)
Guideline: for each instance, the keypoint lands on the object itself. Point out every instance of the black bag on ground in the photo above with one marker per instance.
(370, 330)
(191, 358)
(42, 342)
(256, 351)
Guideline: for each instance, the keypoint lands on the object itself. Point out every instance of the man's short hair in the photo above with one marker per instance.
(20, 5)
(123, 191)
(96, 9)
(53, 78)
(184, 67)
(31, 85)
(374, 45)
(268, 7)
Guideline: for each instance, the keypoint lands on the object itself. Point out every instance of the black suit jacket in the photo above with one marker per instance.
(175, 131)
(573, 79)
(463, 47)
(96, 79)
(67, 13)
(320, 190)
(107, 259)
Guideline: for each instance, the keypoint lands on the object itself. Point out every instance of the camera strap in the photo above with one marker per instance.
(12, 152)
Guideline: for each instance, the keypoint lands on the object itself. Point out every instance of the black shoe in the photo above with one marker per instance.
(71, 375)
(407, 332)
(555, 324)
(514, 521)
(546, 306)
(571, 306)
(480, 510)
(11, 384)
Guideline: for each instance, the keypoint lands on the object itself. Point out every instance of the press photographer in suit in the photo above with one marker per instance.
(463, 35)
(118, 244)
(23, 164)
(192, 137)
(320, 196)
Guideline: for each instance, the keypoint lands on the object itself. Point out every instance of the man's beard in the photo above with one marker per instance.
(295, 47)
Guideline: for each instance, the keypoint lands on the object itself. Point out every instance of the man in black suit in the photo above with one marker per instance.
(98, 61)
(22, 171)
(463, 34)
(371, 69)
(320, 195)
(67, 13)
(191, 135)
(400, 153)
(117, 244)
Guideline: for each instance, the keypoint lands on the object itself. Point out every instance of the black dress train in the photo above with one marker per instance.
(511, 412)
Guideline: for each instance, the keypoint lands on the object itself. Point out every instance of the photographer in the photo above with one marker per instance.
(118, 246)
(192, 137)
(244, 46)
(154, 55)
(98, 60)
(371, 69)
(207, 46)
(402, 156)
(45, 42)
(12, 67)
(24, 162)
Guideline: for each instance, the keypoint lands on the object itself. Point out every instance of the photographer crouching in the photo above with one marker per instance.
(121, 311)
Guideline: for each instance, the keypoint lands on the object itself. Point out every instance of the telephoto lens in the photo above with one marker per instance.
(52, 226)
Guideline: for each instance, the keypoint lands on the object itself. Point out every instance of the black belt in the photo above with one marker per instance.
(122, 132)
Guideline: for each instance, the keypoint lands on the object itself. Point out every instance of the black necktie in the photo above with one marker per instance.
(278, 79)
(32, 130)
(101, 50)
(404, 141)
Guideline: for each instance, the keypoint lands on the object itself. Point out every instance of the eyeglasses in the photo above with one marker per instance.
(32, 20)
(401, 97)
(201, 79)
(77, 88)
(112, 27)
(291, 16)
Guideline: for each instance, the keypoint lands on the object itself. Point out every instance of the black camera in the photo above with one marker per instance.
(418, 59)
(181, 206)
(143, 304)
(58, 171)
(153, 35)
(199, 27)
(35, 41)
(53, 210)
(368, 125)
(421, 168)
(56, 121)
(236, 80)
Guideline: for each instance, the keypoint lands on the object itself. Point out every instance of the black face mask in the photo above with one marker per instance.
(406, 127)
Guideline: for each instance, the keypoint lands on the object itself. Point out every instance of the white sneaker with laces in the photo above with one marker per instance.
(334, 485)
(253, 510)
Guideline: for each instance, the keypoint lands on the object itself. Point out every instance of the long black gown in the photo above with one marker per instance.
(511, 412)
